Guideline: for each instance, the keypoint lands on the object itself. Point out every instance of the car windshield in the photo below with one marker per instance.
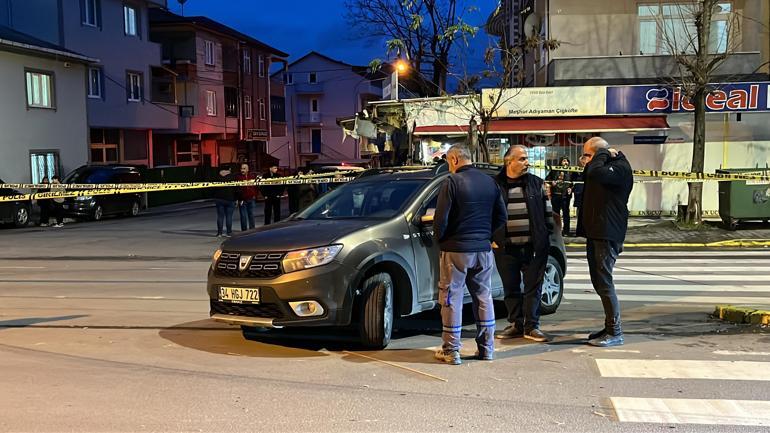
(363, 200)
(90, 175)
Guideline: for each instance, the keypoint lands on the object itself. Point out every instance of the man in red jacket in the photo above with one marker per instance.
(247, 196)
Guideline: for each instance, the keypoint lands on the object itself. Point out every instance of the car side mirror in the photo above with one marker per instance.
(427, 219)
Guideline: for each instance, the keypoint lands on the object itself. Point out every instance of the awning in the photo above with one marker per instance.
(556, 125)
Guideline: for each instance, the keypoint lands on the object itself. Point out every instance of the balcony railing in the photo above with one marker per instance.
(308, 88)
(309, 118)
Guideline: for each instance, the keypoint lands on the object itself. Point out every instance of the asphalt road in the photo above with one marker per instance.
(104, 327)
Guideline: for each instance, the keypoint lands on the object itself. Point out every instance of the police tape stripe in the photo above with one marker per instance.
(681, 175)
(140, 188)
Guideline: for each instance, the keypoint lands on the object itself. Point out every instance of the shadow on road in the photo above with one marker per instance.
(30, 321)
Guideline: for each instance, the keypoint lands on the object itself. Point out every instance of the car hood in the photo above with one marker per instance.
(295, 235)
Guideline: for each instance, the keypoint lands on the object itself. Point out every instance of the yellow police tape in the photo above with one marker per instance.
(82, 190)
(756, 176)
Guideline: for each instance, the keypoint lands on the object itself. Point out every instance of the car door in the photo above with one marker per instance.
(426, 251)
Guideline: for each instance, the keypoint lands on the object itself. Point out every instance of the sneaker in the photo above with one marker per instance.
(43, 224)
(537, 335)
(58, 225)
(451, 357)
(597, 334)
(483, 355)
(510, 331)
(607, 341)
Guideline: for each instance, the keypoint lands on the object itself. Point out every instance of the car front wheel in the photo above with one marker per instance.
(553, 287)
(98, 213)
(376, 325)
(134, 209)
(21, 216)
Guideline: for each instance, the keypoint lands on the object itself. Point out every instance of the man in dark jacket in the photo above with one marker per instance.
(521, 246)
(272, 195)
(603, 220)
(469, 209)
(224, 199)
(247, 196)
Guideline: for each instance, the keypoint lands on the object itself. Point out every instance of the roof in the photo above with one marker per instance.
(164, 17)
(360, 70)
(24, 42)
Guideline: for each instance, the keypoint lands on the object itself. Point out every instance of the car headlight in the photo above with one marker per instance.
(215, 257)
(84, 198)
(306, 259)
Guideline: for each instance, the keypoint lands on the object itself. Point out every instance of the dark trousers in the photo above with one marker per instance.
(272, 209)
(225, 210)
(560, 205)
(601, 255)
(45, 211)
(517, 264)
(246, 210)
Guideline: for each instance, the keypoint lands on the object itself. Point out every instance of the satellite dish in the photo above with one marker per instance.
(532, 25)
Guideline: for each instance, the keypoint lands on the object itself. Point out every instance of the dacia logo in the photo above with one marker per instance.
(244, 263)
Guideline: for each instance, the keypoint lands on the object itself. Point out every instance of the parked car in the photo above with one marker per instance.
(14, 212)
(359, 255)
(99, 206)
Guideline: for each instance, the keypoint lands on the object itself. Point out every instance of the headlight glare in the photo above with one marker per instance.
(310, 258)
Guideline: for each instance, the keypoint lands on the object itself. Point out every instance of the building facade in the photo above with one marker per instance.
(43, 110)
(223, 92)
(629, 43)
(320, 90)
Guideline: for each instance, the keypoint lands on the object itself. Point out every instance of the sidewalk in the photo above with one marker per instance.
(662, 233)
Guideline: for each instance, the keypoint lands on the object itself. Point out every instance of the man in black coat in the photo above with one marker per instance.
(272, 195)
(603, 220)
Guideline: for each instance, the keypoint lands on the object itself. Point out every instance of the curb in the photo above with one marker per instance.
(742, 315)
(733, 243)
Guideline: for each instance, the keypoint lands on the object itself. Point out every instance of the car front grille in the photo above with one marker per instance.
(262, 265)
(270, 311)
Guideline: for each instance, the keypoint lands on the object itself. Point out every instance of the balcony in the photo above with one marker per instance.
(163, 86)
(308, 89)
(642, 69)
(309, 119)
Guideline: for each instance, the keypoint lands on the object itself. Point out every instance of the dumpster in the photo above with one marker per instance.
(742, 200)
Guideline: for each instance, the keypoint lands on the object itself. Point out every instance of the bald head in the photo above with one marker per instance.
(592, 146)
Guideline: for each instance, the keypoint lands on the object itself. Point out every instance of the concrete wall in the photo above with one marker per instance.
(64, 129)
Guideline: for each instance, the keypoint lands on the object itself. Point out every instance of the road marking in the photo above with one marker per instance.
(621, 287)
(758, 301)
(686, 278)
(692, 411)
(684, 369)
(631, 268)
(739, 353)
(22, 267)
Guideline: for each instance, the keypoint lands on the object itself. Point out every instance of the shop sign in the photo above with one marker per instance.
(546, 101)
(732, 97)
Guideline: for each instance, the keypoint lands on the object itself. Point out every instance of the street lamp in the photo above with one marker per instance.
(400, 67)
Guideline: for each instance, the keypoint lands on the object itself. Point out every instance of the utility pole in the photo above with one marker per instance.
(181, 3)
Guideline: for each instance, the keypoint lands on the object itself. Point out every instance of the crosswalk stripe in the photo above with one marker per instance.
(663, 261)
(700, 278)
(681, 253)
(684, 369)
(705, 300)
(573, 287)
(635, 269)
(692, 411)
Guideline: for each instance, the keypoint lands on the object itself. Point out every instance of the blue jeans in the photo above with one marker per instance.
(602, 255)
(458, 271)
(246, 210)
(225, 210)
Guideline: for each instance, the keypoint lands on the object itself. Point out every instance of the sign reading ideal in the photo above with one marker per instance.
(665, 99)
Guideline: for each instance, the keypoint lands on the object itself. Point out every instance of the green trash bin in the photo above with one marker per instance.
(741, 200)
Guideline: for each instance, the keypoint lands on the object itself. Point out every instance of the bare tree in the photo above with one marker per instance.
(700, 35)
(422, 31)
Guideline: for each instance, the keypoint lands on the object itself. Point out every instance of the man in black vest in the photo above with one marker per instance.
(521, 246)
(603, 220)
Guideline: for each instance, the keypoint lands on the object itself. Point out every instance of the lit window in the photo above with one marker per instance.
(94, 83)
(246, 62)
(89, 13)
(129, 18)
(247, 106)
(210, 53)
(134, 87)
(40, 90)
(261, 66)
(666, 28)
(211, 103)
(262, 113)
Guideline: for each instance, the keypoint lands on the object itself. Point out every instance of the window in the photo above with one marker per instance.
(211, 103)
(261, 69)
(247, 110)
(88, 12)
(262, 109)
(43, 163)
(277, 109)
(134, 87)
(246, 62)
(94, 83)
(288, 78)
(104, 145)
(40, 90)
(188, 151)
(129, 21)
(210, 60)
(312, 78)
(670, 27)
(314, 105)
(231, 102)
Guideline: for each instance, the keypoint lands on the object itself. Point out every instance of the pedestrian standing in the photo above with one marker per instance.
(603, 220)
(469, 209)
(44, 204)
(272, 195)
(293, 192)
(306, 194)
(224, 200)
(247, 196)
(57, 204)
(521, 246)
(561, 195)
(578, 186)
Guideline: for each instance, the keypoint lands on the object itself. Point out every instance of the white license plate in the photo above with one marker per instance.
(239, 295)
